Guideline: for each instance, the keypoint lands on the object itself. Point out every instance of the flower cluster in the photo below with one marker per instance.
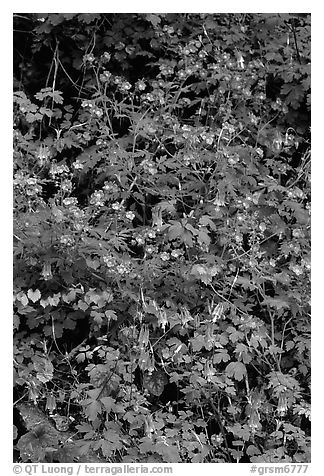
(93, 108)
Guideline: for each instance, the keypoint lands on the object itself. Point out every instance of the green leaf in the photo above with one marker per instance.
(111, 315)
(206, 220)
(34, 295)
(175, 231)
(203, 238)
(236, 370)
(220, 355)
(93, 410)
(44, 369)
(155, 382)
(108, 403)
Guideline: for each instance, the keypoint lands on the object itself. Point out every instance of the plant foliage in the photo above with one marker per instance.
(162, 235)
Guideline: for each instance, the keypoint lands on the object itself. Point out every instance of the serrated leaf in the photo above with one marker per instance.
(22, 298)
(175, 231)
(82, 305)
(111, 315)
(44, 369)
(221, 355)
(70, 296)
(236, 370)
(252, 450)
(155, 382)
(191, 228)
(203, 238)
(108, 403)
(16, 321)
(206, 220)
(277, 303)
(54, 300)
(197, 343)
(93, 410)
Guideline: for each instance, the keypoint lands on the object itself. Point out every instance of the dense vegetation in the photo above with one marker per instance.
(162, 236)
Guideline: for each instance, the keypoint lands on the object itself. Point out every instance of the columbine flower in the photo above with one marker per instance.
(282, 405)
(47, 271)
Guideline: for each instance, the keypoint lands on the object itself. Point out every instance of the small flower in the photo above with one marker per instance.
(176, 253)
(216, 439)
(105, 76)
(116, 206)
(125, 86)
(97, 112)
(121, 269)
(109, 260)
(298, 233)
(97, 198)
(298, 270)
(165, 256)
(106, 56)
(71, 201)
(47, 272)
(66, 186)
(238, 238)
(306, 263)
(141, 85)
(77, 165)
(130, 215)
(88, 58)
(58, 169)
(140, 240)
(67, 240)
